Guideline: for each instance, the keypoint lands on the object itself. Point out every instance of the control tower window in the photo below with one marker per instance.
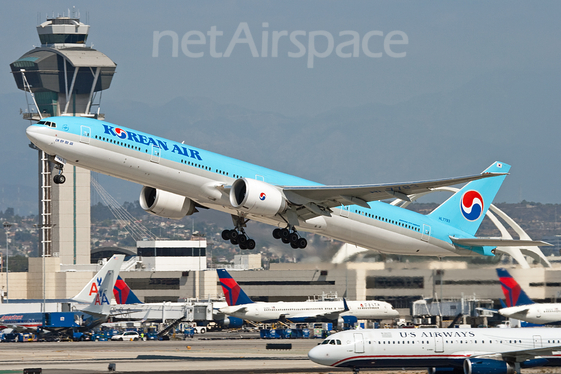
(63, 38)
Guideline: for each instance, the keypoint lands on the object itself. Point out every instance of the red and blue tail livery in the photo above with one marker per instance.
(514, 294)
(232, 290)
(123, 294)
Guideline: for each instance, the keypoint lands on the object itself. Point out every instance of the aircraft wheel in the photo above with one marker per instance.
(234, 241)
(242, 239)
(250, 244)
(293, 237)
(294, 245)
(302, 243)
(243, 246)
(234, 234)
(226, 235)
(277, 233)
(285, 240)
(285, 233)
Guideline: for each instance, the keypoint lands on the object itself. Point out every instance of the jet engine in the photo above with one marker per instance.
(487, 366)
(165, 204)
(257, 197)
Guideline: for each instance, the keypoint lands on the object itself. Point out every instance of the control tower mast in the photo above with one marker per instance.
(64, 77)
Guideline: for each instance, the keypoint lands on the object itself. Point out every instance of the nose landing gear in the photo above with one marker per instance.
(59, 178)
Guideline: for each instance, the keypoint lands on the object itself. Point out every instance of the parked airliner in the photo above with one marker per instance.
(97, 292)
(520, 306)
(452, 351)
(339, 311)
(179, 179)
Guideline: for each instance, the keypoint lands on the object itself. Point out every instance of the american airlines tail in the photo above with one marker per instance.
(123, 294)
(514, 294)
(232, 290)
(91, 289)
(466, 209)
(101, 305)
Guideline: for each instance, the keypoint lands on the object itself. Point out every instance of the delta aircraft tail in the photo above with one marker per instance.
(466, 209)
(91, 289)
(232, 290)
(514, 294)
(123, 294)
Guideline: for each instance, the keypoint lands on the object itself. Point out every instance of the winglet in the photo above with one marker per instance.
(345, 305)
(514, 294)
(232, 290)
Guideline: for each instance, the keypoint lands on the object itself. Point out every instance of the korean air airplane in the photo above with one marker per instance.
(520, 306)
(340, 311)
(452, 351)
(180, 179)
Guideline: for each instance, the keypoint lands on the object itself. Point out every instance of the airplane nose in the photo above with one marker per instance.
(319, 355)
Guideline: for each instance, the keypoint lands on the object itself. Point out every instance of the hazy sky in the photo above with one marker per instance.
(448, 44)
(303, 58)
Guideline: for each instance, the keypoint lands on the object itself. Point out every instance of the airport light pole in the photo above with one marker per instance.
(6, 230)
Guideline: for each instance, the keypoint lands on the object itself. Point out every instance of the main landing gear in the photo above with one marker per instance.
(290, 236)
(238, 235)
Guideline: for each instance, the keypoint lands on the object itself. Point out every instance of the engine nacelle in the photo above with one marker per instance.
(257, 197)
(231, 322)
(165, 204)
(487, 366)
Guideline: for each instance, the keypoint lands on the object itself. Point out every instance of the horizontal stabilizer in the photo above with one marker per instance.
(480, 242)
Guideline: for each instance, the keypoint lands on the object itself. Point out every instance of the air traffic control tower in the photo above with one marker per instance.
(64, 77)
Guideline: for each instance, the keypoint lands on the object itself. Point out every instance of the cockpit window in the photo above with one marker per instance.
(332, 342)
(325, 342)
(47, 123)
(338, 342)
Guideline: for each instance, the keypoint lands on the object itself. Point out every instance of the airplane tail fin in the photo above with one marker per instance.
(101, 305)
(232, 290)
(466, 209)
(514, 294)
(91, 289)
(123, 294)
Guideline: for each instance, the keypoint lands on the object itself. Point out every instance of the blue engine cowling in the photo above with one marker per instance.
(231, 322)
(487, 366)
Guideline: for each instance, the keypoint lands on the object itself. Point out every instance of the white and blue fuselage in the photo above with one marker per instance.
(201, 176)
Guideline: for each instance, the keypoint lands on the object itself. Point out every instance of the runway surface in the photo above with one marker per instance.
(174, 356)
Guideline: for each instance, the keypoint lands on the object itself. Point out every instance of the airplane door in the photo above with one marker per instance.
(345, 210)
(155, 157)
(537, 341)
(438, 345)
(425, 235)
(359, 343)
(85, 134)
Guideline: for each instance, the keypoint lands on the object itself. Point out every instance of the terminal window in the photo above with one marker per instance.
(395, 282)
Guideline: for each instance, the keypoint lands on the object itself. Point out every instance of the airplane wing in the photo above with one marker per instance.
(521, 355)
(492, 242)
(515, 309)
(319, 199)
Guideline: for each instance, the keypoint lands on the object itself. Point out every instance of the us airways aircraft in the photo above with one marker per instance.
(452, 351)
(179, 179)
(340, 311)
(520, 306)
